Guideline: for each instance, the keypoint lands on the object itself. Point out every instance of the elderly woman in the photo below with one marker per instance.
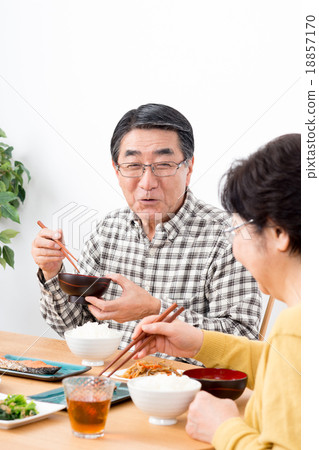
(263, 194)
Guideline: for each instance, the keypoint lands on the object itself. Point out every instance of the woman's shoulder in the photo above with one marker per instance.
(288, 322)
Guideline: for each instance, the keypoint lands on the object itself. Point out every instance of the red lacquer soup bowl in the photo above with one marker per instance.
(79, 286)
(223, 383)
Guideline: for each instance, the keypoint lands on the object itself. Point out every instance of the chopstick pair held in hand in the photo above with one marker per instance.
(64, 250)
(143, 336)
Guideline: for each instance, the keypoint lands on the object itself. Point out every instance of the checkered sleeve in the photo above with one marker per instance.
(57, 311)
(55, 308)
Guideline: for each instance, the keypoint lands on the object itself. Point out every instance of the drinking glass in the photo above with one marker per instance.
(88, 400)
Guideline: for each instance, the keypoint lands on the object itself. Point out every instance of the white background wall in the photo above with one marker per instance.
(70, 69)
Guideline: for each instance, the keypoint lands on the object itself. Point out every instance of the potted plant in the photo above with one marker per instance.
(12, 194)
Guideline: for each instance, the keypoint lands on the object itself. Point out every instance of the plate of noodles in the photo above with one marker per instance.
(144, 369)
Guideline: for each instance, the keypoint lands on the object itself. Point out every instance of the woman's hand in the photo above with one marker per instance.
(206, 413)
(176, 339)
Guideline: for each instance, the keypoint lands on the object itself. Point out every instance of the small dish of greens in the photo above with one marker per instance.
(16, 407)
(17, 410)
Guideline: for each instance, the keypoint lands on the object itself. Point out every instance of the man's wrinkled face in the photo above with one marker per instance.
(149, 196)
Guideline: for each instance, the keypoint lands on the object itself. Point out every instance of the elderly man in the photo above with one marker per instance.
(165, 246)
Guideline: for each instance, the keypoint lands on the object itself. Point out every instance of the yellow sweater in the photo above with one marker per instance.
(272, 415)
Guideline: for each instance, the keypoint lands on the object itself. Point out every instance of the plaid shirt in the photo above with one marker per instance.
(188, 261)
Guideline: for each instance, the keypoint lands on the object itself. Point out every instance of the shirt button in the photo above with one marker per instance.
(147, 286)
(152, 251)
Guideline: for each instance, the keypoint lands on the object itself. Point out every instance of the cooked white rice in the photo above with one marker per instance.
(94, 330)
(164, 383)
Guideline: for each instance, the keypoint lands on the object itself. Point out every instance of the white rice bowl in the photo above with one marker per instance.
(163, 397)
(93, 342)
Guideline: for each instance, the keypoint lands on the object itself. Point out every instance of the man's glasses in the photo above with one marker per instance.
(230, 233)
(159, 169)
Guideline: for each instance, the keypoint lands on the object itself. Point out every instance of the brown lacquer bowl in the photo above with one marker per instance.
(223, 383)
(80, 286)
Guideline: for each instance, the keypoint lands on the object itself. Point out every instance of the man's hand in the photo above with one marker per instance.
(134, 303)
(206, 413)
(46, 253)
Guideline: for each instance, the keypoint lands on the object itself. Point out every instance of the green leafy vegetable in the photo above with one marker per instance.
(16, 407)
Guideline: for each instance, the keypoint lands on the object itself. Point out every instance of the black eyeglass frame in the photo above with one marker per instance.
(153, 167)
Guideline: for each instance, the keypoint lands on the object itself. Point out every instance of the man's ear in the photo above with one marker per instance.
(114, 167)
(190, 171)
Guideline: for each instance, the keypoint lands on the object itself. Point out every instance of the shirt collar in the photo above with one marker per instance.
(178, 220)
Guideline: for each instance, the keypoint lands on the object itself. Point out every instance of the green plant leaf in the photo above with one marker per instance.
(6, 180)
(11, 194)
(6, 166)
(18, 177)
(10, 212)
(8, 255)
(9, 233)
(22, 169)
(6, 197)
(21, 193)
(14, 187)
(8, 152)
(15, 203)
(3, 263)
(28, 173)
(4, 239)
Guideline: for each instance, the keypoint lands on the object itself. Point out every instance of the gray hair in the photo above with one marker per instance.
(151, 116)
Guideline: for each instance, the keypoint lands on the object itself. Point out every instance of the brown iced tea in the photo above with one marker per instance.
(89, 400)
(88, 416)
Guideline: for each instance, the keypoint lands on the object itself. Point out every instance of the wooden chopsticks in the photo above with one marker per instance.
(147, 338)
(64, 250)
(139, 338)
